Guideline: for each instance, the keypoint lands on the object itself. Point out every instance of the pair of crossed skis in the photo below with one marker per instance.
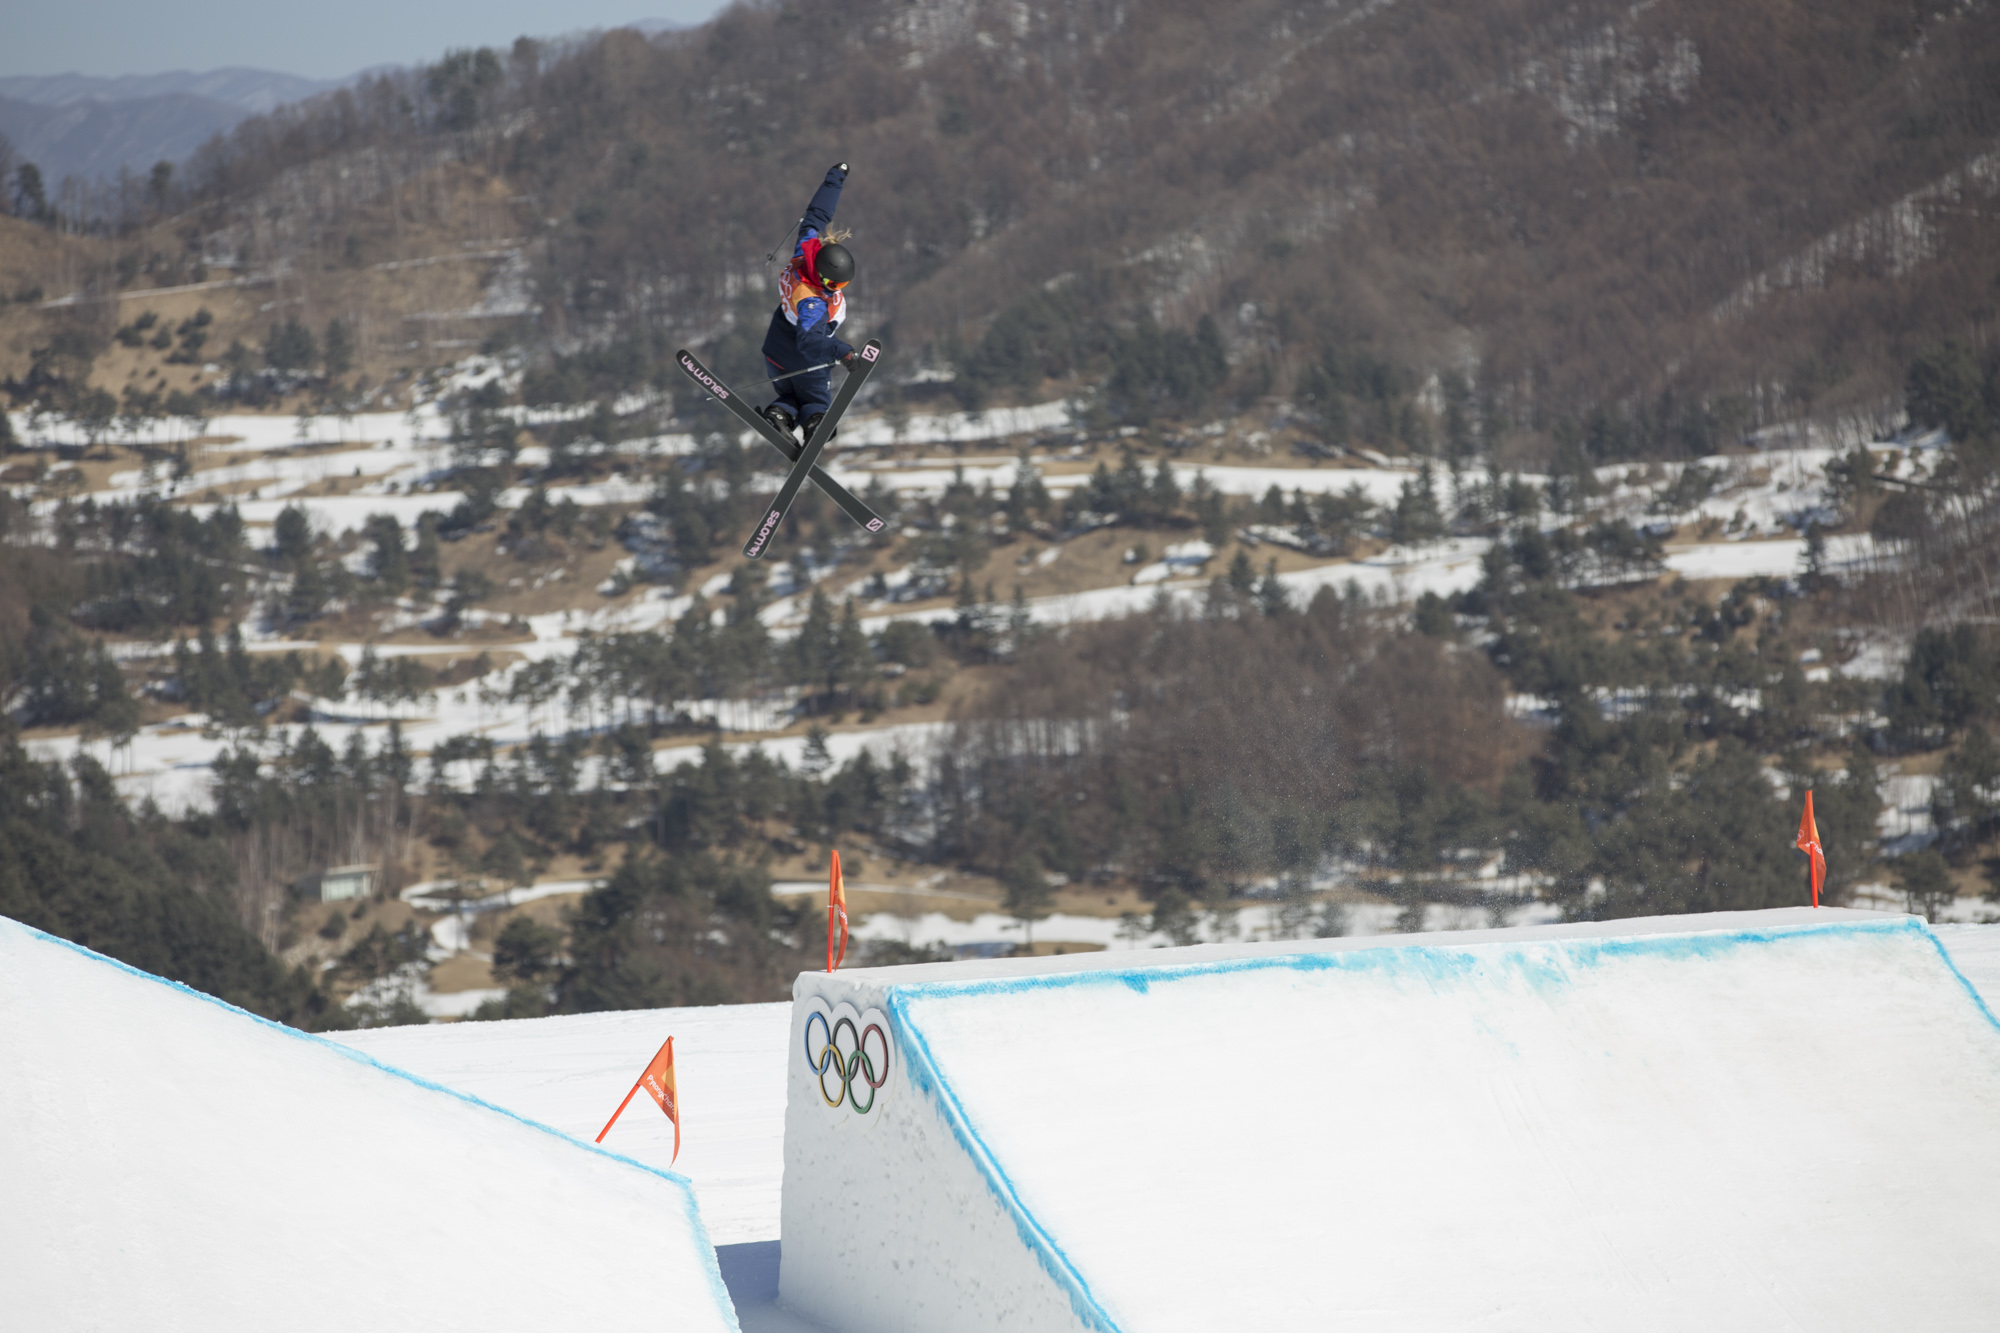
(805, 461)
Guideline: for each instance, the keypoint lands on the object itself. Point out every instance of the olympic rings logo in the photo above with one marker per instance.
(852, 1068)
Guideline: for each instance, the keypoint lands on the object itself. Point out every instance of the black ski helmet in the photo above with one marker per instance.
(835, 265)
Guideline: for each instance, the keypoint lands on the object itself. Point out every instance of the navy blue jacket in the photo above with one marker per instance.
(808, 308)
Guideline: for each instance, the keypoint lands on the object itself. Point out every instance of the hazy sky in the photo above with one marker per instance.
(320, 40)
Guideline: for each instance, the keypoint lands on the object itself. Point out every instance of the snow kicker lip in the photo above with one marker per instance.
(1073, 1268)
(702, 1247)
(950, 1106)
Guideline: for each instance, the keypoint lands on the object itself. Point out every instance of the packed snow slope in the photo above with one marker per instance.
(1748, 1121)
(570, 1072)
(171, 1162)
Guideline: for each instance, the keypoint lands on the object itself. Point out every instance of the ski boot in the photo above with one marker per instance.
(783, 420)
(812, 424)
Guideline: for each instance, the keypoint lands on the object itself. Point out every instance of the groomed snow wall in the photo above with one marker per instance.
(170, 1162)
(1738, 1121)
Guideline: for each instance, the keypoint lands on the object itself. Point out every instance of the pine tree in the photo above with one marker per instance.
(1028, 895)
(852, 660)
(525, 951)
(388, 563)
(1417, 519)
(338, 349)
(816, 758)
(1925, 879)
(813, 649)
(1272, 599)
(290, 346)
(1242, 574)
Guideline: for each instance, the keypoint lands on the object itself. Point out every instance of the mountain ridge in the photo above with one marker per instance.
(90, 139)
(90, 126)
(250, 89)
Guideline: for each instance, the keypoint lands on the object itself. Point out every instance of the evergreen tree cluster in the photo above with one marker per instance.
(77, 861)
(149, 564)
(57, 677)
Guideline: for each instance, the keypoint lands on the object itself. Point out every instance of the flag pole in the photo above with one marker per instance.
(1812, 865)
(836, 907)
(635, 1089)
(1809, 843)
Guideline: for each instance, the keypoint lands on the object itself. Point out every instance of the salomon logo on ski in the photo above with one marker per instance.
(700, 375)
(757, 543)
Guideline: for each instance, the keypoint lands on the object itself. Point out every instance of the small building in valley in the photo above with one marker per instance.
(340, 883)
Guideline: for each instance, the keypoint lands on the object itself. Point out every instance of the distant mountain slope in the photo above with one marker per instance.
(249, 90)
(81, 125)
(93, 138)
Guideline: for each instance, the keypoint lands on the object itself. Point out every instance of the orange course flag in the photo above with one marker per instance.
(1809, 844)
(657, 1078)
(836, 906)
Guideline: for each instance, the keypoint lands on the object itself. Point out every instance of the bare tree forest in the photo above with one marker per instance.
(1684, 220)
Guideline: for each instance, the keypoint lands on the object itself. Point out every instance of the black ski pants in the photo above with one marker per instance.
(802, 395)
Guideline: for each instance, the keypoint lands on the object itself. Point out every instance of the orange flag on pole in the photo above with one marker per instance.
(836, 906)
(657, 1078)
(1809, 844)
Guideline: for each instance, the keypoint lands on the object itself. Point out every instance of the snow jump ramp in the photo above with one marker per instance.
(170, 1162)
(1785, 1119)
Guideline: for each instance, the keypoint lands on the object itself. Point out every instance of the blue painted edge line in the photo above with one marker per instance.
(1037, 1238)
(1963, 980)
(1584, 950)
(705, 1247)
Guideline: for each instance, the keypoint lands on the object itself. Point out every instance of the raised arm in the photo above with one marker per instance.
(819, 213)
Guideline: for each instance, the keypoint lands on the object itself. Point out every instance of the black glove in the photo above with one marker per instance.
(849, 358)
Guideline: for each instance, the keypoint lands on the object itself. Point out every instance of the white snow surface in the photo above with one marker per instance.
(1905, 823)
(930, 476)
(1397, 574)
(731, 1061)
(172, 763)
(570, 1073)
(1691, 1122)
(992, 424)
(171, 1162)
(1975, 951)
(1782, 558)
(733, 1064)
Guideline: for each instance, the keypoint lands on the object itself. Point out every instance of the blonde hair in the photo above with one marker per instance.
(835, 235)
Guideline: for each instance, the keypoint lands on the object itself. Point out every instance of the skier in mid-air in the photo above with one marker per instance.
(812, 302)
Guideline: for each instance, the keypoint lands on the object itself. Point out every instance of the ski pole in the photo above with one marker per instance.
(791, 236)
(824, 365)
